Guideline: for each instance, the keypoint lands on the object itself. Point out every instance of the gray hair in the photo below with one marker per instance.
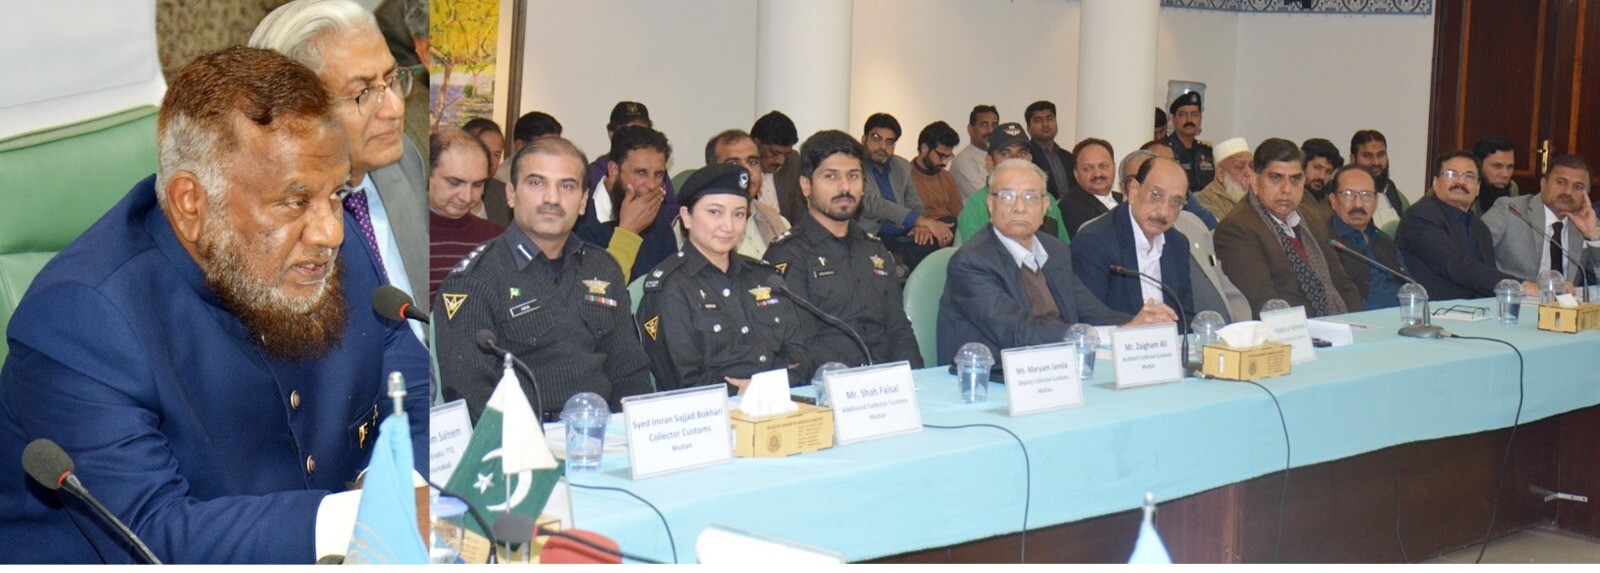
(1018, 164)
(186, 146)
(297, 28)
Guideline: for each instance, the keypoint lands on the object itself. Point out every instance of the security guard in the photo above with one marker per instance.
(709, 314)
(1194, 155)
(842, 269)
(560, 304)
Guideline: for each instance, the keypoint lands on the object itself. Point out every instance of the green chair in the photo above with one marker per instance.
(677, 180)
(58, 181)
(636, 292)
(923, 289)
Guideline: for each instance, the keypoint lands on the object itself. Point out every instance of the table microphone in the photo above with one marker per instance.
(1424, 330)
(47, 464)
(1583, 275)
(486, 343)
(393, 303)
(778, 284)
(1188, 367)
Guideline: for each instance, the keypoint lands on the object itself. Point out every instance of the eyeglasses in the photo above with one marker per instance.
(1461, 312)
(1010, 196)
(1470, 176)
(371, 98)
(1363, 196)
(1174, 201)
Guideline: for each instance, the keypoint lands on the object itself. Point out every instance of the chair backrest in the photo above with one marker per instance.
(57, 182)
(923, 289)
(677, 180)
(636, 292)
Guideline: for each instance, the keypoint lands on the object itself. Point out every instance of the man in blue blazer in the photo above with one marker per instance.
(207, 352)
(1137, 235)
(1013, 286)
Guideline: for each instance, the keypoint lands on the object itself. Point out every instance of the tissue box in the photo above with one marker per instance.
(805, 430)
(1248, 363)
(1559, 319)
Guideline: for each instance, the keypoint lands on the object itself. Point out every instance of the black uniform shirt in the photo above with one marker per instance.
(1197, 162)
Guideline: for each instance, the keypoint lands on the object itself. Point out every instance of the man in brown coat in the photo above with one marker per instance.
(1270, 251)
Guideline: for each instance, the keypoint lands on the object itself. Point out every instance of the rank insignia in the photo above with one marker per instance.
(783, 268)
(452, 303)
(822, 261)
(652, 326)
(515, 292)
(596, 286)
(877, 262)
(600, 300)
(761, 293)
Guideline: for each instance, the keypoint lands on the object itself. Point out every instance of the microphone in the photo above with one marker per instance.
(486, 343)
(1188, 367)
(47, 464)
(1582, 273)
(391, 302)
(1424, 330)
(778, 284)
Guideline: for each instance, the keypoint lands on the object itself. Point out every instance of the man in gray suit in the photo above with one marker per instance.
(1216, 292)
(1560, 209)
(891, 207)
(340, 41)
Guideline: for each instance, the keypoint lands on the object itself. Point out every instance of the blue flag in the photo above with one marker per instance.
(386, 523)
(1149, 549)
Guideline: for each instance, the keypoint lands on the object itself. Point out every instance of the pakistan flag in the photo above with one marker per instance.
(507, 465)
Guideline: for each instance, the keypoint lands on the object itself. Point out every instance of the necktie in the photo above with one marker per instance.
(1556, 258)
(356, 204)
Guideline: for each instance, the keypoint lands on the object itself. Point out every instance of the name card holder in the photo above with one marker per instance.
(1041, 378)
(1289, 327)
(1146, 355)
(873, 402)
(678, 430)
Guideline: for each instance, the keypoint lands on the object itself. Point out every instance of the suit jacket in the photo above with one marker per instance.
(1517, 245)
(1359, 271)
(875, 209)
(1078, 207)
(185, 429)
(984, 299)
(1056, 188)
(791, 202)
(403, 185)
(1431, 244)
(1109, 241)
(1215, 292)
(1258, 265)
(495, 207)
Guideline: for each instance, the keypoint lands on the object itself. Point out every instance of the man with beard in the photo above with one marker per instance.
(1561, 210)
(1194, 155)
(891, 207)
(207, 352)
(1370, 150)
(1322, 158)
(933, 183)
(969, 167)
(841, 268)
(776, 137)
(1447, 247)
(1351, 195)
(1233, 181)
(1057, 163)
(1095, 171)
(1272, 250)
(1138, 235)
(1008, 141)
(1499, 161)
(735, 147)
(634, 171)
(559, 303)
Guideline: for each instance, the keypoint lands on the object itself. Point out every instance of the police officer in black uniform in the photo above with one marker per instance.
(842, 269)
(1195, 155)
(710, 315)
(558, 303)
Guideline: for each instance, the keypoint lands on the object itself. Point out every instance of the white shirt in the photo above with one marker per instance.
(602, 202)
(769, 194)
(1289, 225)
(1032, 259)
(970, 171)
(1149, 252)
(1107, 200)
(389, 249)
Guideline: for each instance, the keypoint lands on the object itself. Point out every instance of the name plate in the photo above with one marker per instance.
(1146, 355)
(1289, 327)
(873, 402)
(449, 432)
(678, 430)
(1041, 378)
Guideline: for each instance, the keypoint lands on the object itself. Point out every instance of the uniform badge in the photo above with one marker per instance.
(702, 295)
(452, 303)
(515, 292)
(761, 293)
(596, 286)
(652, 326)
(822, 261)
(744, 180)
(877, 262)
(783, 268)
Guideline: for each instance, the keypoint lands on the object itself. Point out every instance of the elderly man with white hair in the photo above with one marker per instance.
(1233, 178)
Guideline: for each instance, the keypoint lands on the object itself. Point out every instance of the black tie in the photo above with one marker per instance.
(1556, 259)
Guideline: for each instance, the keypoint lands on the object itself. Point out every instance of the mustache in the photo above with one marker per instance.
(1359, 212)
(1188, 124)
(550, 209)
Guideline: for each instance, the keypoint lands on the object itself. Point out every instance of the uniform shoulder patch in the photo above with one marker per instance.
(873, 237)
(784, 236)
(452, 303)
(466, 262)
(652, 327)
(656, 278)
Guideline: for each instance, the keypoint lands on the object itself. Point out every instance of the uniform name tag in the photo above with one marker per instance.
(823, 273)
(524, 308)
(710, 306)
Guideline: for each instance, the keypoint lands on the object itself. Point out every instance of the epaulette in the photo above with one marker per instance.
(873, 237)
(467, 260)
(786, 235)
(652, 281)
(1205, 142)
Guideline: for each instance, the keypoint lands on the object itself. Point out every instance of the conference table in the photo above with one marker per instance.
(1396, 443)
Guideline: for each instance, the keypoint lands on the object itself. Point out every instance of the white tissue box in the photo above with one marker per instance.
(805, 430)
(1246, 363)
(1561, 319)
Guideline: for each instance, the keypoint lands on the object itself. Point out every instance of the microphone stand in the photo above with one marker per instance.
(1189, 367)
(1424, 330)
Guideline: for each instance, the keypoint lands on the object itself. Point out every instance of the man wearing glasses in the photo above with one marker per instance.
(1447, 247)
(1012, 285)
(387, 209)
(1353, 195)
(1138, 234)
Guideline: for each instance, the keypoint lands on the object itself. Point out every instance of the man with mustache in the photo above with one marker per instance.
(1095, 171)
(776, 136)
(1139, 235)
(1370, 150)
(1561, 210)
(766, 224)
(207, 352)
(1499, 160)
(459, 171)
(1210, 288)
(969, 166)
(841, 268)
(891, 206)
(557, 302)
(935, 184)
(1322, 158)
(1352, 195)
(1057, 163)
(1272, 250)
(1233, 180)
(1194, 155)
(643, 216)
(1008, 141)
(1447, 247)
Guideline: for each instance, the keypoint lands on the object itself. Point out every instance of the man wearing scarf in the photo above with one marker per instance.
(1284, 255)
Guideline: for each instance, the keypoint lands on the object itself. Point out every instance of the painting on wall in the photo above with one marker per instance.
(465, 35)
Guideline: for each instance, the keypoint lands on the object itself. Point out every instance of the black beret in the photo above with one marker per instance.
(628, 111)
(711, 179)
(1188, 98)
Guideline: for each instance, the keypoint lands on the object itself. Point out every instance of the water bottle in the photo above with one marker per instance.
(1413, 304)
(1087, 341)
(585, 415)
(973, 362)
(819, 381)
(1508, 296)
